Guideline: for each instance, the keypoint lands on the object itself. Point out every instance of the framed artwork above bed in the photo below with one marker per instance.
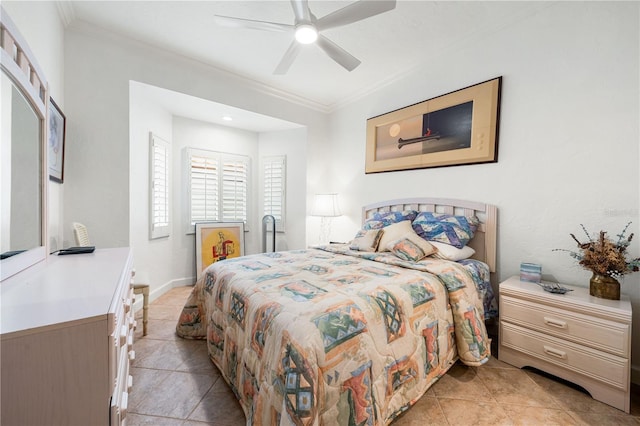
(455, 129)
(216, 241)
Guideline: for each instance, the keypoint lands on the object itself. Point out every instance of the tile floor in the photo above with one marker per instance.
(175, 383)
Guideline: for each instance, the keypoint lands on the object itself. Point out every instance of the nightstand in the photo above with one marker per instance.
(575, 336)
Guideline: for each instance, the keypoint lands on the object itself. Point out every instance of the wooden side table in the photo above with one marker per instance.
(144, 290)
(583, 339)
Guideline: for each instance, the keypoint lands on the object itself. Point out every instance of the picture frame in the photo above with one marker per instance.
(458, 128)
(55, 145)
(216, 241)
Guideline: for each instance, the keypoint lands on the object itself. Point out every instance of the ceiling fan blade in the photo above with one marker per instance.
(337, 53)
(301, 10)
(229, 21)
(287, 59)
(355, 12)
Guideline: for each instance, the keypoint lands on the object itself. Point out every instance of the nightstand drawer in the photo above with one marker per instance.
(578, 359)
(609, 336)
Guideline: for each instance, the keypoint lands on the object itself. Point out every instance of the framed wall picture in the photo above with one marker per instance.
(458, 128)
(55, 146)
(216, 241)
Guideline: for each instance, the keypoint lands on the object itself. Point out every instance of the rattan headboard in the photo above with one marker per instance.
(484, 240)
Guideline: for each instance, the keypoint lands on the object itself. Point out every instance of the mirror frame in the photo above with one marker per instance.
(20, 65)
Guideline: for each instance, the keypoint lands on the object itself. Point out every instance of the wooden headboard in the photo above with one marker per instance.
(484, 240)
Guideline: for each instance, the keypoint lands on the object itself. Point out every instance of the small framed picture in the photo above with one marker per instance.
(216, 241)
(55, 145)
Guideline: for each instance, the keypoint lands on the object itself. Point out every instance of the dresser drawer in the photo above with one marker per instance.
(609, 336)
(120, 397)
(592, 363)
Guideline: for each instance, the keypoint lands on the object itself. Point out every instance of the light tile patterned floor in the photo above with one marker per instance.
(175, 383)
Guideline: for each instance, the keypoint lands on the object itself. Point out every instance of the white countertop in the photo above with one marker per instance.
(62, 289)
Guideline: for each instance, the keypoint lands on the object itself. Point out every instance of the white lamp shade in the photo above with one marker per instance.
(326, 205)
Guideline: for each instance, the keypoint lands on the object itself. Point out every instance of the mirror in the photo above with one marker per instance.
(21, 172)
(23, 96)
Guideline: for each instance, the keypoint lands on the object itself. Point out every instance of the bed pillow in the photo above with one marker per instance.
(411, 247)
(446, 228)
(382, 219)
(366, 240)
(394, 232)
(449, 252)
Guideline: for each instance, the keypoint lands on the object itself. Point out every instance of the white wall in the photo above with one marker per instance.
(569, 137)
(42, 28)
(291, 143)
(151, 256)
(177, 250)
(100, 67)
(101, 190)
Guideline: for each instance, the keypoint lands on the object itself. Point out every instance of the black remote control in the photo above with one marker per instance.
(77, 250)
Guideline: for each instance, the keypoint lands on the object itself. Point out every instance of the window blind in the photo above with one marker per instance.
(274, 178)
(204, 188)
(159, 187)
(234, 190)
(218, 186)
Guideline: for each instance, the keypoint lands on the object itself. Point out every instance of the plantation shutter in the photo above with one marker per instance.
(204, 188)
(235, 173)
(274, 177)
(218, 187)
(159, 187)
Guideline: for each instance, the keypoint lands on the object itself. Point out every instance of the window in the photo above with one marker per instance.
(159, 187)
(218, 186)
(274, 177)
(203, 188)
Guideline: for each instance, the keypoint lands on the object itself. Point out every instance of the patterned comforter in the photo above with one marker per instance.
(331, 336)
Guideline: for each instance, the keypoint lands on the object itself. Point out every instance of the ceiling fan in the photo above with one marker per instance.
(307, 28)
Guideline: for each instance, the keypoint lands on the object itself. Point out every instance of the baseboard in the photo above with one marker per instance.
(159, 291)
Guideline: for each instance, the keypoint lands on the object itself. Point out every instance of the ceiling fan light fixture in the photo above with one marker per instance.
(306, 28)
(306, 33)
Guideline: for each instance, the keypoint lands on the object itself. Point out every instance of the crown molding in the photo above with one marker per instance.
(66, 11)
(83, 27)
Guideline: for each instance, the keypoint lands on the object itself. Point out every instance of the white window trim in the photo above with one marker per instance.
(220, 158)
(282, 161)
(159, 187)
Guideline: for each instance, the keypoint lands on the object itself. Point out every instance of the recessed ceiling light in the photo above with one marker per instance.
(227, 118)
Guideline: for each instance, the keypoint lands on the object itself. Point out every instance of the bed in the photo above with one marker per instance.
(335, 334)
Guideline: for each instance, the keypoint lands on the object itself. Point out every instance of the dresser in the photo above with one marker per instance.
(67, 340)
(575, 336)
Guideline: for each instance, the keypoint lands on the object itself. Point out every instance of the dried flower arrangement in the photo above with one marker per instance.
(604, 257)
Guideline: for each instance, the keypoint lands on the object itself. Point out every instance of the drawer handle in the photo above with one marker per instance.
(124, 331)
(555, 352)
(130, 383)
(555, 323)
(132, 355)
(124, 405)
